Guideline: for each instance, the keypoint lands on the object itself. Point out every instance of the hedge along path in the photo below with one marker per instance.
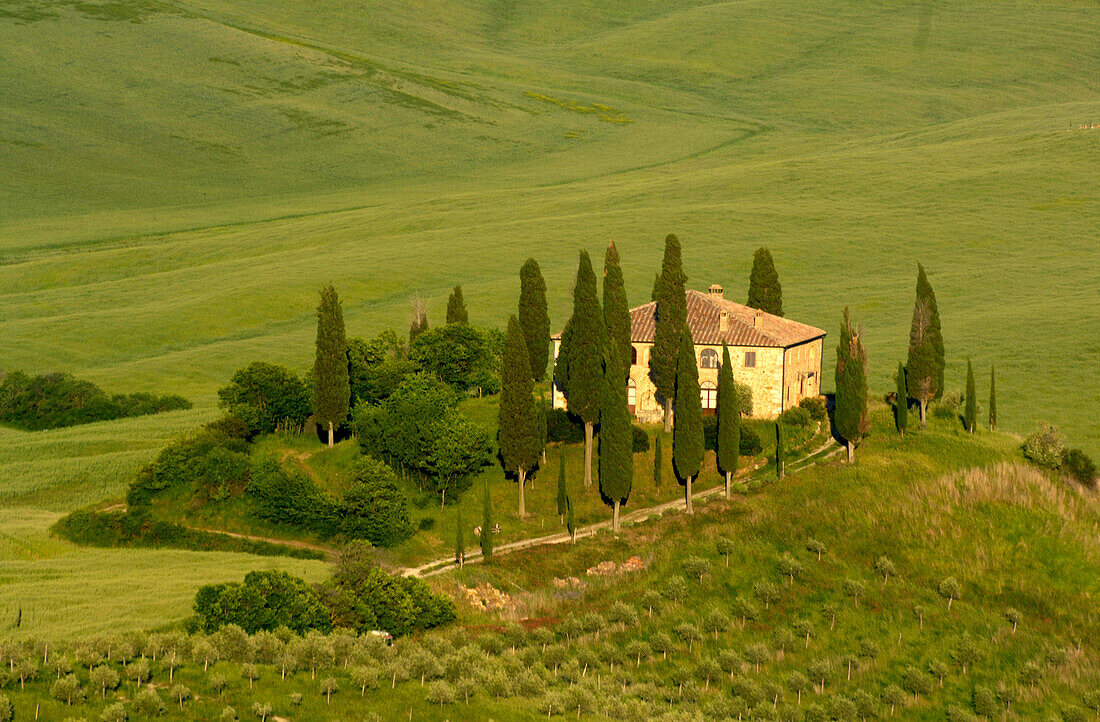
(826, 451)
(327, 551)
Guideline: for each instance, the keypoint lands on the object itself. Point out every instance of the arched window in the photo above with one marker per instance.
(633, 356)
(708, 395)
(708, 359)
(631, 394)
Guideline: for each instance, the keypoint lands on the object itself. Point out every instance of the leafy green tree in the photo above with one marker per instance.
(264, 396)
(111, 713)
(949, 590)
(671, 319)
(616, 452)
(534, 318)
(658, 452)
(486, 538)
(687, 436)
(68, 690)
(562, 492)
(729, 420)
(376, 367)
(851, 387)
(924, 369)
(616, 312)
(893, 695)
(459, 355)
(331, 385)
(992, 398)
(570, 520)
(725, 547)
(886, 568)
(970, 410)
(103, 678)
(328, 688)
(148, 702)
(585, 361)
(460, 448)
(375, 508)
(901, 402)
(456, 307)
(519, 435)
(765, 292)
(262, 710)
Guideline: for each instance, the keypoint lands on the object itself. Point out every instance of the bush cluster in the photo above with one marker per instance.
(210, 465)
(265, 396)
(265, 600)
(55, 400)
(816, 406)
(1045, 446)
(750, 440)
(796, 416)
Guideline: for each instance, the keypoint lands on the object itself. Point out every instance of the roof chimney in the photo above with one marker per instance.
(715, 290)
(757, 320)
(723, 321)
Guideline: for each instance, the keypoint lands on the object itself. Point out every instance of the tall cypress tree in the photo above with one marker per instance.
(562, 493)
(456, 307)
(924, 369)
(671, 317)
(331, 385)
(901, 405)
(518, 425)
(585, 362)
(765, 292)
(616, 438)
(850, 415)
(460, 542)
(658, 453)
(561, 362)
(656, 287)
(486, 538)
(534, 318)
(729, 420)
(687, 431)
(616, 313)
(570, 519)
(992, 398)
(970, 410)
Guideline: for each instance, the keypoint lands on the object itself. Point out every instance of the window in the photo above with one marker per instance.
(631, 394)
(750, 359)
(633, 356)
(708, 359)
(708, 395)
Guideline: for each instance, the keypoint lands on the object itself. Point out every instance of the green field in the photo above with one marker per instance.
(177, 180)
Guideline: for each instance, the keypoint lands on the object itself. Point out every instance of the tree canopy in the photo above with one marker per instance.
(459, 355)
(616, 311)
(263, 395)
(850, 416)
(765, 292)
(925, 366)
(331, 385)
(687, 431)
(671, 317)
(729, 420)
(534, 318)
(456, 307)
(616, 438)
(520, 442)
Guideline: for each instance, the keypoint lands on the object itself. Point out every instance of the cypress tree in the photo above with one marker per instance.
(562, 494)
(616, 439)
(687, 432)
(765, 292)
(658, 452)
(729, 420)
(570, 520)
(778, 450)
(331, 385)
(460, 542)
(518, 425)
(992, 398)
(561, 363)
(970, 410)
(542, 410)
(456, 307)
(671, 317)
(616, 313)
(486, 524)
(924, 369)
(901, 406)
(850, 416)
(586, 342)
(534, 318)
(656, 287)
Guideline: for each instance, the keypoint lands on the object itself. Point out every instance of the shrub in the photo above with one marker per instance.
(113, 713)
(206, 464)
(948, 406)
(375, 508)
(640, 439)
(265, 600)
(290, 497)
(459, 355)
(7, 712)
(563, 427)
(985, 704)
(1045, 445)
(1078, 466)
(148, 702)
(264, 396)
(795, 416)
(816, 406)
(68, 690)
(55, 400)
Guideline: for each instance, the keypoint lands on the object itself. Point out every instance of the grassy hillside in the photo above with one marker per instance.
(937, 504)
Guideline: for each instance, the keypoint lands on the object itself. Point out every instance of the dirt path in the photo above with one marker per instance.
(269, 540)
(441, 565)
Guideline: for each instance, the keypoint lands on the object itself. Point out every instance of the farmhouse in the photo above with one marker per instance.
(779, 359)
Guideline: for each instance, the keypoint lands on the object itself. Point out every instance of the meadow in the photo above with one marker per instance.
(179, 177)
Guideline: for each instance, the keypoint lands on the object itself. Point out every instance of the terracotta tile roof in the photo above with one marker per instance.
(704, 312)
